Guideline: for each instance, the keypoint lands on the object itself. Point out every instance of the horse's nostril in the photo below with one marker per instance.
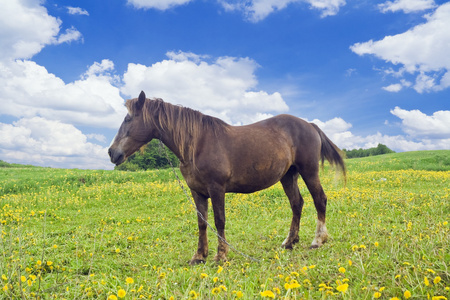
(109, 152)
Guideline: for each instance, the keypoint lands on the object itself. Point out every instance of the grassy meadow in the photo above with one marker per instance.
(92, 234)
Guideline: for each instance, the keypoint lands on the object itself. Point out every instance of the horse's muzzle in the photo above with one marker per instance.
(117, 156)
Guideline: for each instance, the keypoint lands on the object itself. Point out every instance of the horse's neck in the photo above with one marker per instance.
(177, 147)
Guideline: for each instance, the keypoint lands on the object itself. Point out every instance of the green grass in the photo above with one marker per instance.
(79, 234)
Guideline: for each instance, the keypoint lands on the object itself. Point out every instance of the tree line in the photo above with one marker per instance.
(151, 156)
(380, 149)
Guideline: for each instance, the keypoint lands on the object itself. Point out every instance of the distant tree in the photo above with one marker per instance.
(151, 156)
(380, 149)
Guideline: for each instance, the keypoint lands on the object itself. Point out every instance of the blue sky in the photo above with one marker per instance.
(366, 72)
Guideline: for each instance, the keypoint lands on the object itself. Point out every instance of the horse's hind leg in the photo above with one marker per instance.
(320, 201)
(201, 202)
(289, 182)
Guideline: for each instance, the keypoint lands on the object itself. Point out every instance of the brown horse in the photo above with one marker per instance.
(217, 158)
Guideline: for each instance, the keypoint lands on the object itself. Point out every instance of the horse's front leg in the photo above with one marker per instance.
(202, 207)
(218, 203)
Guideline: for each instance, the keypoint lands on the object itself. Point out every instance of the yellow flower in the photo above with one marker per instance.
(437, 279)
(5, 288)
(376, 244)
(193, 295)
(129, 280)
(342, 270)
(219, 270)
(355, 247)
(407, 294)
(112, 297)
(215, 279)
(215, 291)
(49, 263)
(377, 295)
(268, 294)
(121, 293)
(162, 275)
(23, 278)
(203, 275)
(350, 262)
(117, 250)
(394, 298)
(292, 285)
(4, 277)
(425, 280)
(342, 288)
(224, 288)
(277, 290)
(239, 294)
(438, 298)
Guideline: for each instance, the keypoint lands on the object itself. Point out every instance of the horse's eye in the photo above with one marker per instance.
(127, 119)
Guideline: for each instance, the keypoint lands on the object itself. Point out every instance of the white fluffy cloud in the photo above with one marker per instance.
(421, 51)
(27, 90)
(224, 87)
(77, 11)
(417, 124)
(157, 4)
(39, 141)
(257, 10)
(423, 132)
(407, 6)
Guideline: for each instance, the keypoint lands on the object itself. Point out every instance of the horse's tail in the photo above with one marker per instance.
(330, 151)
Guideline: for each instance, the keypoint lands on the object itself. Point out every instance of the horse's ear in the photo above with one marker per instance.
(141, 100)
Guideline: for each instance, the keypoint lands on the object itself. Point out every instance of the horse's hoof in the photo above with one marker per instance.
(220, 258)
(195, 262)
(287, 247)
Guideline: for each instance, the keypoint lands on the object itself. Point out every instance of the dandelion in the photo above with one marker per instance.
(377, 295)
(407, 294)
(203, 275)
(277, 290)
(112, 297)
(219, 270)
(239, 294)
(215, 279)
(121, 293)
(292, 285)
(49, 263)
(342, 288)
(437, 279)
(5, 288)
(438, 298)
(224, 288)
(193, 295)
(215, 291)
(23, 278)
(425, 280)
(394, 298)
(268, 294)
(376, 244)
(4, 277)
(350, 262)
(129, 280)
(162, 275)
(342, 270)
(355, 247)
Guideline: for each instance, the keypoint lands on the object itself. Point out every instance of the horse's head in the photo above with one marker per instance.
(133, 133)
